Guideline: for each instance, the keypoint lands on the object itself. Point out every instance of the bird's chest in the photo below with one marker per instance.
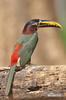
(27, 49)
(24, 38)
(30, 40)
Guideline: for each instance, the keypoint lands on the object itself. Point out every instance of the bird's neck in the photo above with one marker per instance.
(27, 37)
(27, 32)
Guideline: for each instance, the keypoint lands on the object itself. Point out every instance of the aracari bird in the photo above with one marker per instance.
(25, 46)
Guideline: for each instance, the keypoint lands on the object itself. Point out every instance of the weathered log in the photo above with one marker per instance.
(35, 82)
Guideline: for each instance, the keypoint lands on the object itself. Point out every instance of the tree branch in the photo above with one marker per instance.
(35, 81)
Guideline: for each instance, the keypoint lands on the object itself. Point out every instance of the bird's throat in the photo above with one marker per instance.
(30, 30)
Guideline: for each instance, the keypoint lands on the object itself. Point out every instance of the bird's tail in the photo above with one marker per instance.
(10, 79)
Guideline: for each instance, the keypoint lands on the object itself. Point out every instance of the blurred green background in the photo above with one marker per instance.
(51, 48)
(61, 15)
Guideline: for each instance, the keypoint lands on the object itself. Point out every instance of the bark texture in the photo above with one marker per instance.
(35, 82)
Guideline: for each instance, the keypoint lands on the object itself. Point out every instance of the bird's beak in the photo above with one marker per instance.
(48, 23)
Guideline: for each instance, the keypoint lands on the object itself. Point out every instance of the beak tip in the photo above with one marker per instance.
(60, 27)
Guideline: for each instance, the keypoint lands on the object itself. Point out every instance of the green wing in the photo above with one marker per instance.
(27, 50)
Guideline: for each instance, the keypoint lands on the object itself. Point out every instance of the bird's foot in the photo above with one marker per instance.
(18, 68)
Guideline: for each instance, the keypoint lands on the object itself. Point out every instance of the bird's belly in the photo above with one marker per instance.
(27, 50)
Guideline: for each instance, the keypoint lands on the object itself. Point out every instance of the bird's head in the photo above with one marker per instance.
(33, 25)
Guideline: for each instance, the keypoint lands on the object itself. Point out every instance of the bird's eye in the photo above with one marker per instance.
(34, 24)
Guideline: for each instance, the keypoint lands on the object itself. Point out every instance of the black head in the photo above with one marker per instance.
(32, 22)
